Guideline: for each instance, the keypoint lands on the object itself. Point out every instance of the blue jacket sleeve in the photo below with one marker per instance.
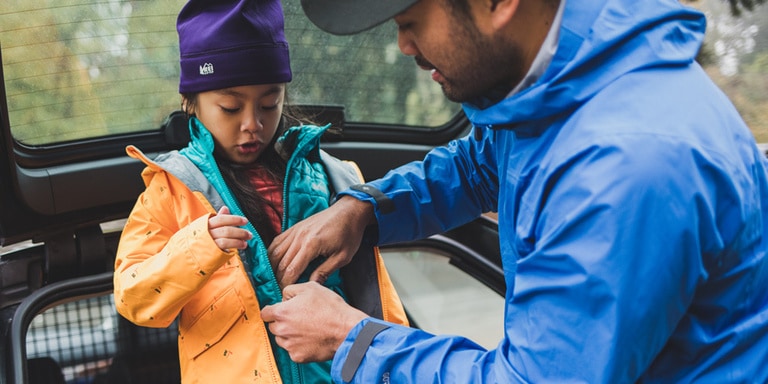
(606, 276)
(428, 358)
(453, 185)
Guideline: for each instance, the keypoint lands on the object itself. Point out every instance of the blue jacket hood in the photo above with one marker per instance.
(628, 34)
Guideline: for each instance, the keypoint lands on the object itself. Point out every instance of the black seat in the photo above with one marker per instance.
(44, 370)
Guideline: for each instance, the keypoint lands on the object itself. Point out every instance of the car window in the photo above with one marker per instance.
(89, 69)
(85, 69)
(77, 70)
(442, 299)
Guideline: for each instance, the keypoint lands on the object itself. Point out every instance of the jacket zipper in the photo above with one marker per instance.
(294, 366)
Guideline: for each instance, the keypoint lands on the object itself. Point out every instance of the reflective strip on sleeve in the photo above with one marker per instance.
(385, 204)
(358, 349)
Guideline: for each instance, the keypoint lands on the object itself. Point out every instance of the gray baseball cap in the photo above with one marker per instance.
(347, 17)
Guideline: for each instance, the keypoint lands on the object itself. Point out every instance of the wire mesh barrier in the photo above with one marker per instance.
(90, 344)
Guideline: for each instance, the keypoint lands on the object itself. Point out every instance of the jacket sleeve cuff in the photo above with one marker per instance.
(351, 352)
(201, 247)
(381, 202)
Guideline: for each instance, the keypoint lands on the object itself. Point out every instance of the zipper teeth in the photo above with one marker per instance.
(249, 226)
(284, 221)
(283, 225)
(273, 279)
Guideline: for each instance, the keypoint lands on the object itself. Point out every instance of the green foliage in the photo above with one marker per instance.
(364, 72)
(75, 70)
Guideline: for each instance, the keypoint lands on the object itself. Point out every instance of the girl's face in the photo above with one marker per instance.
(243, 120)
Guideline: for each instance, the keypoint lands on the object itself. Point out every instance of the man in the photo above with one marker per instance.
(632, 201)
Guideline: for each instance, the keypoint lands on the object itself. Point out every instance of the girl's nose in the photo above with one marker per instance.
(252, 124)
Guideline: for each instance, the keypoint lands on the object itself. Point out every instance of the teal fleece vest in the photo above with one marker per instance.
(306, 191)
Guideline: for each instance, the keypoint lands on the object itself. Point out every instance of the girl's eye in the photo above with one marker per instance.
(229, 110)
(269, 107)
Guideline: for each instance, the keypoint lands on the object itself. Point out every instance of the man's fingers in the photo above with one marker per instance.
(294, 290)
(307, 322)
(290, 292)
(277, 245)
(290, 273)
(325, 269)
(297, 355)
(277, 251)
(290, 268)
(268, 314)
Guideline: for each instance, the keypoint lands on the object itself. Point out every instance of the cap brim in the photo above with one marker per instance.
(347, 17)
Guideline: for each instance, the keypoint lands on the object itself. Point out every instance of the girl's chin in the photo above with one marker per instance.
(244, 158)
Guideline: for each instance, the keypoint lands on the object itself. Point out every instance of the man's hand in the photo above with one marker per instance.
(335, 233)
(226, 232)
(311, 322)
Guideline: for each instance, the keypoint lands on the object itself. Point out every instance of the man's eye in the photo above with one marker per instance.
(404, 26)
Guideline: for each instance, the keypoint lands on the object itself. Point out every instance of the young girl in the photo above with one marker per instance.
(194, 246)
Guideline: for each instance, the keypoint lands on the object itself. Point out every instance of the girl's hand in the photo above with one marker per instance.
(226, 232)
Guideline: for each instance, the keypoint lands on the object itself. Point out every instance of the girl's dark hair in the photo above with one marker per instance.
(254, 205)
(238, 176)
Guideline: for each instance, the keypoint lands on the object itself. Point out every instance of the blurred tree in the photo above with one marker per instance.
(738, 5)
(366, 73)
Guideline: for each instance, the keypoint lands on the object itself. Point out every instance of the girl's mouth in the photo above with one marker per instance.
(249, 147)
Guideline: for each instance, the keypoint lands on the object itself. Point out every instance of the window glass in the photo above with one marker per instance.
(83, 68)
(365, 72)
(78, 69)
(442, 299)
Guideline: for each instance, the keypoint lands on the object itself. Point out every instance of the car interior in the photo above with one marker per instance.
(79, 81)
(82, 81)
(56, 288)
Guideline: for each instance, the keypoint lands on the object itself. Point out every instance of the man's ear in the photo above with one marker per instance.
(502, 12)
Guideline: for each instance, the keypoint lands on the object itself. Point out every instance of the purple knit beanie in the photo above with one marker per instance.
(232, 43)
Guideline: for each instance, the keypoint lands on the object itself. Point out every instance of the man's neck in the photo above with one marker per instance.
(547, 47)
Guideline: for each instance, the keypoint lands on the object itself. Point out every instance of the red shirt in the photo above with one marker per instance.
(272, 190)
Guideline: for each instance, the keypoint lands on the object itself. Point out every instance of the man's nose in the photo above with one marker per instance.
(406, 44)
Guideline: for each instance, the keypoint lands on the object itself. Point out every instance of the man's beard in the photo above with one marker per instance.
(486, 68)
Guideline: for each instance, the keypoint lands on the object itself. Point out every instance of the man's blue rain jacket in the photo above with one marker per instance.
(632, 204)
